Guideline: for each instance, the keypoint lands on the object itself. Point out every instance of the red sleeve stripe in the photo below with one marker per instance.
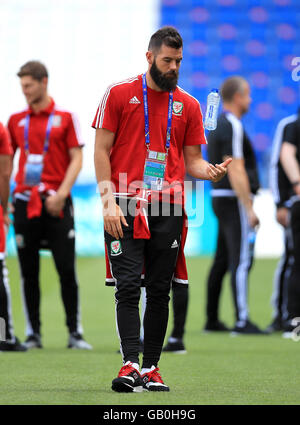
(77, 129)
(102, 105)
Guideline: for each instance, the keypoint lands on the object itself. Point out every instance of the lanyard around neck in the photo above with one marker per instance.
(146, 114)
(47, 137)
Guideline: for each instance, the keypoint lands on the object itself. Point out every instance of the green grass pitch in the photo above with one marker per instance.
(218, 369)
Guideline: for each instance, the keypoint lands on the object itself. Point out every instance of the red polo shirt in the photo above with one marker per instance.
(121, 111)
(5, 149)
(64, 135)
(5, 144)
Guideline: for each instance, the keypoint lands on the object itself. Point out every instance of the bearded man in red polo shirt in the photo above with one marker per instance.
(144, 126)
(50, 160)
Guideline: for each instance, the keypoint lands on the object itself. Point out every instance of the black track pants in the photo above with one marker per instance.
(60, 235)
(281, 278)
(127, 258)
(5, 302)
(294, 280)
(234, 253)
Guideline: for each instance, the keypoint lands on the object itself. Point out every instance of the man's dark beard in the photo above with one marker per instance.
(164, 83)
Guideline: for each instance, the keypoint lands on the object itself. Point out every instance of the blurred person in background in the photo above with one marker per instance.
(149, 109)
(282, 191)
(232, 200)
(11, 342)
(49, 163)
(290, 160)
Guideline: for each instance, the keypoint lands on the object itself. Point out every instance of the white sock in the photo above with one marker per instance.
(146, 370)
(136, 366)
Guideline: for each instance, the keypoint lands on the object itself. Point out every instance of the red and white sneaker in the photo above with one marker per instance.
(152, 381)
(128, 380)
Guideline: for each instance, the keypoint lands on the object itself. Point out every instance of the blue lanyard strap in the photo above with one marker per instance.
(146, 114)
(48, 131)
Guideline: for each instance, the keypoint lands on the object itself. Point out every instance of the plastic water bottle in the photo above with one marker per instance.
(211, 116)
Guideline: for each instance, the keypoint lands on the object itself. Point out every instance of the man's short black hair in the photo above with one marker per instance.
(35, 69)
(166, 35)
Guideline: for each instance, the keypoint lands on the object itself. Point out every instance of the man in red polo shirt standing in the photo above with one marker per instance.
(144, 127)
(50, 161)
(8, 342)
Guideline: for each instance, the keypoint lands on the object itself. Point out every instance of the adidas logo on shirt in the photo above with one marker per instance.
(174, 244)
(134, 100)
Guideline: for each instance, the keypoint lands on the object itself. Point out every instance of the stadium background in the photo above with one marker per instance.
(88, 45)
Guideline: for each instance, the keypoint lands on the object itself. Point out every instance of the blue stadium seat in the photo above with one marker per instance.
(268, 56)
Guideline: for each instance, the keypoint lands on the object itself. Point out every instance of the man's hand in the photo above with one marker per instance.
(252, 218)
(54, 204)
(217, 172)
(113, 217)
(282, 216)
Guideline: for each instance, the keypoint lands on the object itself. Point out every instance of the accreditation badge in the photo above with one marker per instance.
(154, 170)
(33, 169)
